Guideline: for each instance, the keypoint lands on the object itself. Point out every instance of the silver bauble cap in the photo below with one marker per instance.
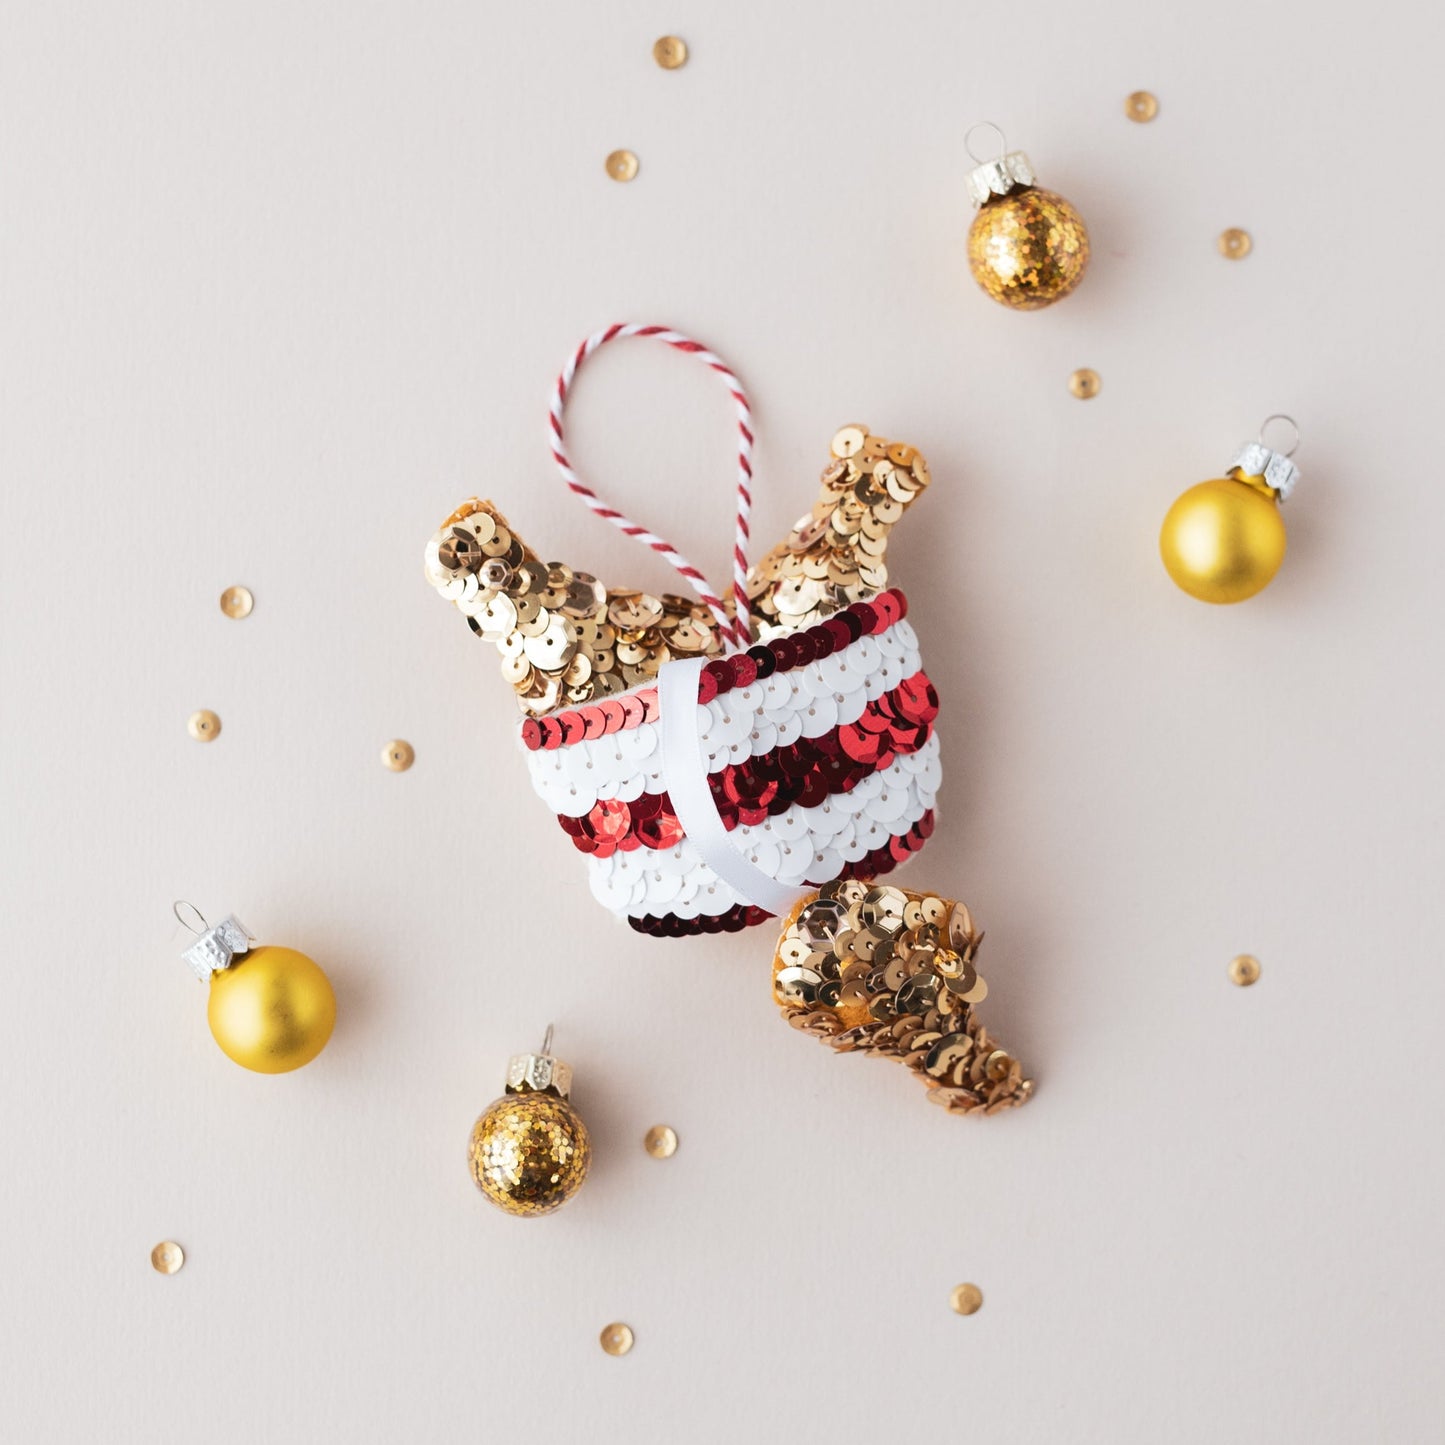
(539, 1073)
(217, 948)
(998, 177)
(1254, 459)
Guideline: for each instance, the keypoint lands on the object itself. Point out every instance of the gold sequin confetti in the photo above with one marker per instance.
(1141, 106)
(660, 1141)
(398, 755)
(204, 726)
(670, 52)
(622, 165)
(617, 1338)
(237, 602)
(167, 1257)
(1235, 244)
(882, 970)
(966, 1299)
(566, 640)
(1085, 383)
(1244, 970)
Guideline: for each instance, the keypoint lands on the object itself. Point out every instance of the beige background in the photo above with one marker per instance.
(282, 283)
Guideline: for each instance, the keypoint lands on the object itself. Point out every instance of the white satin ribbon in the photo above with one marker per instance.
(684, 768)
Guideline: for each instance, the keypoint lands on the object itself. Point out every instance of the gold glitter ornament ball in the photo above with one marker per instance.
(530, 1150)
(1028, 248)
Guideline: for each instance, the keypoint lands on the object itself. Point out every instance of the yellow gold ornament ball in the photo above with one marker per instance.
(1028, 248)
(1223, 540)
(529, 1153)
(272, 1010)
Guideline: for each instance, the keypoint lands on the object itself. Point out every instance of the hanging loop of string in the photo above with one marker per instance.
(734, 629)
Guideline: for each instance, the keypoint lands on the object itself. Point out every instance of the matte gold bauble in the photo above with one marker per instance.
(1223, 540)
(271, 1011)
(530, 1150)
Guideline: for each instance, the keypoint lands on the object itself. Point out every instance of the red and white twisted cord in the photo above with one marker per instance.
(735, 628)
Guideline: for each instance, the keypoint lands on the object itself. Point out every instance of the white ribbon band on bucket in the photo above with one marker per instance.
(685, 770)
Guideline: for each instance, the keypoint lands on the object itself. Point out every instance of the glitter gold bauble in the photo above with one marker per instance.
(1223, 540)
(1027, 247)
(271, 1009)
(530, 1150)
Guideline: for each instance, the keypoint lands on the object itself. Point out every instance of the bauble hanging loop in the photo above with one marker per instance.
(1027, 247)
(270, 1009)
(529, 1152)
(1223, 540)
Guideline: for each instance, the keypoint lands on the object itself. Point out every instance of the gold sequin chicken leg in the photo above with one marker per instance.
(875, 969)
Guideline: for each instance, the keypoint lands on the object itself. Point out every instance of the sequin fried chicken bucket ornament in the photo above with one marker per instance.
(723, 761)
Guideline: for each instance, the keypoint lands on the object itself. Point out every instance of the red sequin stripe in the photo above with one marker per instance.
(806, 772)
(744, 915)
(722, 674)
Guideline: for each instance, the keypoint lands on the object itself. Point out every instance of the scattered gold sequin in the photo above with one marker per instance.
(966, 1299)
(660, 1141)
(167, 1257)
(622, 165)
(398, 755)
(617, 1338)
(1085, 383)
(204, 726)
(882, 970)
(237, 602)
(566, 640)
(1141, 106)
(1244, 970)
(670, 52)
(1235, 244)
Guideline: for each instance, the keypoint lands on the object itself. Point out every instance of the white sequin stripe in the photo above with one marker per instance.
(799, 843)
(746, 722)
